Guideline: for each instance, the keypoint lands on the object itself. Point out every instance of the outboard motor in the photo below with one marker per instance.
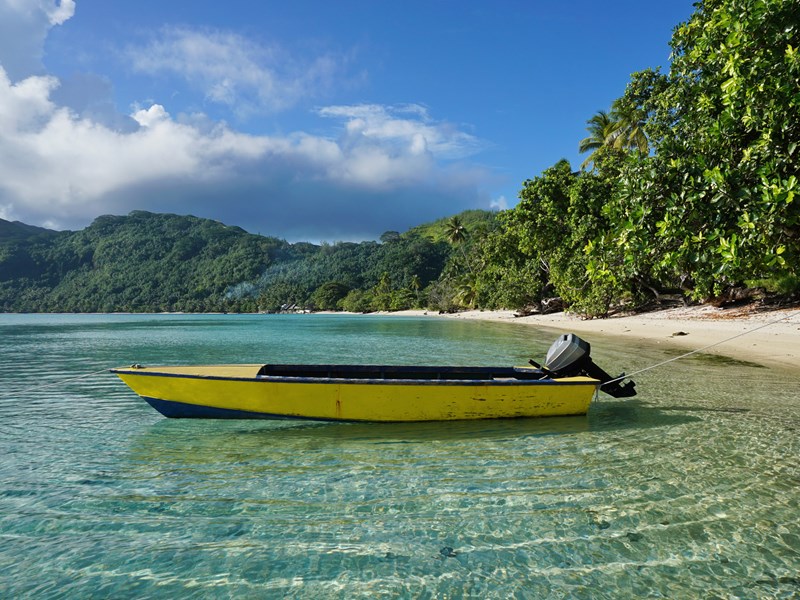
(569, 356)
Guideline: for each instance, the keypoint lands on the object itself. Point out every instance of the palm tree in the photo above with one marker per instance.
(455, 231)
(630, 128)
(415, 285)
(466, 292)
(603, 129)
(621, 129)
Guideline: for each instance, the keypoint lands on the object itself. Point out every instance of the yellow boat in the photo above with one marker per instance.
(377, 393)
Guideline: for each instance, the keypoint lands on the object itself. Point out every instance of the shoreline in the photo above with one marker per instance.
(770, 338)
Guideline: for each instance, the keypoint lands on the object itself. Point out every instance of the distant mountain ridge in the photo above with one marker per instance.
(152, 262)
(140, 262)
(17, 230)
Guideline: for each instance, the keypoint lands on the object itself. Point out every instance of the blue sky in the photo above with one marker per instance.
(307, 120)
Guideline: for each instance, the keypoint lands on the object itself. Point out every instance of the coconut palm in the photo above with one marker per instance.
(621, 129)
(630, 128)
(603, 129)
(455, 231)
(466, 292)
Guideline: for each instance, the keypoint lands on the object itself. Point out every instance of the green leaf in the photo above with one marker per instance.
(728, 84)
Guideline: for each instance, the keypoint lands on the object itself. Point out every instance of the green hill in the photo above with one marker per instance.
(147, 262)
(14, 231)
(475, 221)
(142, 262)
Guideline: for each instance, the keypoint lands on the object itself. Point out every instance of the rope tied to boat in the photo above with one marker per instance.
(709, 346)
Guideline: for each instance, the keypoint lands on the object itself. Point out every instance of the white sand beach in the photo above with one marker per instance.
(768, 337)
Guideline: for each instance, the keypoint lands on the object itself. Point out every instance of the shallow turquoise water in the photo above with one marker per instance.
(689, 490)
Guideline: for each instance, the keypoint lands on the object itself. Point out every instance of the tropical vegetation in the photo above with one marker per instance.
(689, 190)
(159, 262)
(690, 185)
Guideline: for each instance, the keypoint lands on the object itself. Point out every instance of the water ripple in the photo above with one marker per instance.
(689, 490)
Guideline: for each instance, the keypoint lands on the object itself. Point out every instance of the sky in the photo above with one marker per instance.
(306, 120)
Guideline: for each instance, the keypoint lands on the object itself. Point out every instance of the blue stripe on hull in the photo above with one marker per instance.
(181, 410)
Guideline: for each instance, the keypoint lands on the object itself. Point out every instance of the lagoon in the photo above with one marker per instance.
(688, 490)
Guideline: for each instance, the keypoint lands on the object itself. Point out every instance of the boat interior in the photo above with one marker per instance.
(389, 372)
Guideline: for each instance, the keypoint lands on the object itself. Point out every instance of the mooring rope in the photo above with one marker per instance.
(733, 337)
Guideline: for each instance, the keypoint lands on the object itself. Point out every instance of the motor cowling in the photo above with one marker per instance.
(569, 356)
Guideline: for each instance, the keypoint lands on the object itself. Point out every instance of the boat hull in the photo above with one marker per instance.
(239, 392)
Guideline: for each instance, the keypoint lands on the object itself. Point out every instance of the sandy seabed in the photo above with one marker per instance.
(767, 337)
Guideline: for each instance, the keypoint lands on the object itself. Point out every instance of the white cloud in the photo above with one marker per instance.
(26, 104)
(385, 171)
(67, 155)
(60, 12)
(63, 163)
(499, 203)
(233, 70)
(23, 28)
(151, 116)
(408, 128)
(384, 146)
(55, 11)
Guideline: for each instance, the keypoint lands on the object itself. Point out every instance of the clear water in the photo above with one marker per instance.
(689, 490)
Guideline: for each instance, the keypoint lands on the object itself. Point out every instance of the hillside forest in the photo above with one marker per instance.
(687, 191)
